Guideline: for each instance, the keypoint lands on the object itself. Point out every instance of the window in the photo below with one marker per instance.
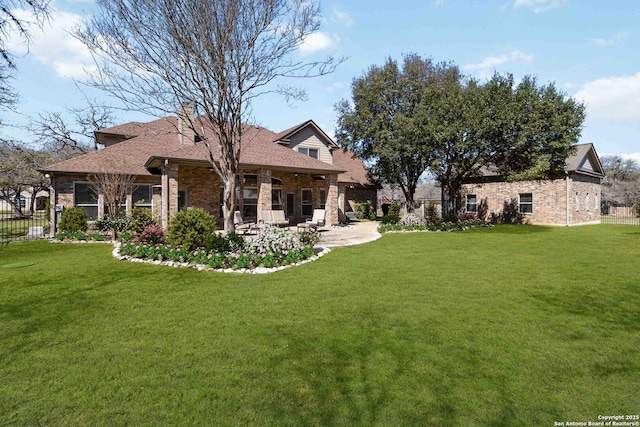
(23, 202)
(249, 202)
(472, 205)
(291, 203)
(525, 205)
(276, 181)
(276, 199)
(311, 152)
(142, 196)
(307, 202)
(323, 198)
(86, 198)
(586, 202)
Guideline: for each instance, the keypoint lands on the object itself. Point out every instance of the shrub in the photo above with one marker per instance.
(74, 219)
(310, 237)
(107, 223)
(636, 208)
(450, 217)
(226, 243)
(152, 235)
(365, 211)
(412, 219)
(390, 219)
(191, 228)
(466, 216)
(141, 218)
(394, 210)
(275, 243)
(431, 213)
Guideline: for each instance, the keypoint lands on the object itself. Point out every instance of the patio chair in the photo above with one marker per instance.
(240, 225)
(316, 221)
(274, 218)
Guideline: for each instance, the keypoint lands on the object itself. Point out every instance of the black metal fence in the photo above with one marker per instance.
(624, 215)
(14, 228)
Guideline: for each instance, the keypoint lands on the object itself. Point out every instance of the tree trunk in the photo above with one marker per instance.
(229, 203)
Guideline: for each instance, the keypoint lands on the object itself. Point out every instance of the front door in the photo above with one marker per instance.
(291, 205)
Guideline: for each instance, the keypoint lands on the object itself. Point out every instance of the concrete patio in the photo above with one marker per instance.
(355, 233)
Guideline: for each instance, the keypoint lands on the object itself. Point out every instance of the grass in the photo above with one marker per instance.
(507, 326)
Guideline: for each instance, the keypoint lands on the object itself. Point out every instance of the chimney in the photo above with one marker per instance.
(186, 123)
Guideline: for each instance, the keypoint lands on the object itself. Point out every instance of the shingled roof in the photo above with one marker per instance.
(147, 145)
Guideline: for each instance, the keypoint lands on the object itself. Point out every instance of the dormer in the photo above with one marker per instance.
(308, 139)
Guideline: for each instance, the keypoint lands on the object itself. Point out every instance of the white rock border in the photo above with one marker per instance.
(202, 267)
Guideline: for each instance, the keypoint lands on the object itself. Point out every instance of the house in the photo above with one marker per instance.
(569, 200)
(25, 201)
(297, 170)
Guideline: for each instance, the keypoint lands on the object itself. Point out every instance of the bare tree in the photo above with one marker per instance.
(216, 56)
(114, 188)
(70, 137)
(12, 21)
(19, 174)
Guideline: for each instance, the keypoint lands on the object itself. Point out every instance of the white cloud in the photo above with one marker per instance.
(610, 41)
(614, 99)
(538, 6)
(340, 17)
(54, 46)
(316, 42)
(439, 2)
(491, 62)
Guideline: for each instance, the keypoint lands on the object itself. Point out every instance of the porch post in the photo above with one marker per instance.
(332, 208)
(169, 192)
(53, 199)
(264, 194)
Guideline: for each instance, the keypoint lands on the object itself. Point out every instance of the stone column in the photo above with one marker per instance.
(169, 183)
(332, 208)
(264, 190)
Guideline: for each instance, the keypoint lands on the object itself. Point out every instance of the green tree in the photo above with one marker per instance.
(535, 128)
(522, 132)
(378, 123)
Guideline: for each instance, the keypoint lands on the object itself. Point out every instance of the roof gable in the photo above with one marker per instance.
(285, 136)
(584, 160)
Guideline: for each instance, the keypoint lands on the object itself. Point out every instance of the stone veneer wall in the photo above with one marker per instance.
(549, 199)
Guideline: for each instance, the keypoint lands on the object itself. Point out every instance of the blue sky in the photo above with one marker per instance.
(589, 48)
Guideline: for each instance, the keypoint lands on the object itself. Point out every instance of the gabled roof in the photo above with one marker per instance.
(284, 136)
(355, 170)
(585, 160)
(146, 145)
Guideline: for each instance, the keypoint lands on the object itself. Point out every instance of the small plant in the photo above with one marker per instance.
(390, 219)
(394, 210)
(431, 213)
(152, 235)
(310, 237)
(141, 218)
(191, 228)
(412, 219)
(365, 211)
(74, 219)
(226, 243)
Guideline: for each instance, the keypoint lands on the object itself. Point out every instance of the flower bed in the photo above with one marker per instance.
(440, 226)
(272, 247)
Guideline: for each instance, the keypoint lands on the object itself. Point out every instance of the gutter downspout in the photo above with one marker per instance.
(566, 180)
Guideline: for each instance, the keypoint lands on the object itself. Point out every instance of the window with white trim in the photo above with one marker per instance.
(250, 197)
(525, 203)
(472, 205)
(311, 152)
(85, 197)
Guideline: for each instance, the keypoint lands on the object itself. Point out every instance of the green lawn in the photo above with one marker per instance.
(506, 326)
